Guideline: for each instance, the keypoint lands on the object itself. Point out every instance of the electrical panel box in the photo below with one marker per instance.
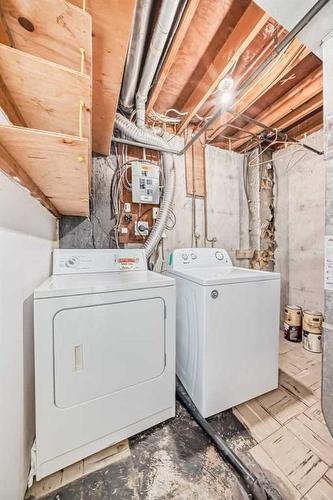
(145, 183)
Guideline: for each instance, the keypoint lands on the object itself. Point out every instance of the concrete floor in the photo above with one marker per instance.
(174, 460)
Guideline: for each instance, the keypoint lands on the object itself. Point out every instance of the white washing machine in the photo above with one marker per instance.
(227, 328)
(104, 353)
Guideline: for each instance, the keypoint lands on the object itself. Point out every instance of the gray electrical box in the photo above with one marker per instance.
(145, 183)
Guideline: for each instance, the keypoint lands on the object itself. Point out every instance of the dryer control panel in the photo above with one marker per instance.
(98, 261)
(190, 258)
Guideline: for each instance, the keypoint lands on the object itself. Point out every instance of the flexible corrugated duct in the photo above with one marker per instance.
(160, 36)
(146, 136)
(135, 54)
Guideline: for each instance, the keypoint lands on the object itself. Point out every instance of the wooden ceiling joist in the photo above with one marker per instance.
(174, 49)
(308, 126)
(300, 112)
(54, 30)
(248, 27)
(46, 95)
(57, 164)
(10, 167)
(298, 95)
(112, 22)
(276, 71)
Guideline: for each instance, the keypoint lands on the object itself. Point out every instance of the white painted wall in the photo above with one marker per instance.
(27, 236)
(300, 223)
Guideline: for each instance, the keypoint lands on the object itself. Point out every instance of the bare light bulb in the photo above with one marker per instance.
(226, 84)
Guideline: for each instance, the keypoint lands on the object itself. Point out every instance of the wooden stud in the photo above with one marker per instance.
(173, 52)
(252, 21)
(112, 22)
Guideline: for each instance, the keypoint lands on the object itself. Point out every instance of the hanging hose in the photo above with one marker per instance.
(249, 482)
(145, 136)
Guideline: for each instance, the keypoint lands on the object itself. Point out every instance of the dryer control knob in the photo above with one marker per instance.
(194, 256)
(184, 256)
(219, 255)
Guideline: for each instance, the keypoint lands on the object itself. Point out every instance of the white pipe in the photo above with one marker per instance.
(157, 44)
(135, 53)
(146, 136)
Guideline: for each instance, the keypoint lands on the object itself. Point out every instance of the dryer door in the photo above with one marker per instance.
(101, 349)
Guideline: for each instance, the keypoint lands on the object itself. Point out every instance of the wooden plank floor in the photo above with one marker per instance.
(295, 448)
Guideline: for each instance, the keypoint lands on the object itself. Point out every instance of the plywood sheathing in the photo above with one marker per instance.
(47, 95)
(10, 167)
(58, 164)
(59, 31)
(112, 22)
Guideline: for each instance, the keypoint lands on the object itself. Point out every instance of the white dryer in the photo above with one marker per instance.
(227, 328)
(104, 353)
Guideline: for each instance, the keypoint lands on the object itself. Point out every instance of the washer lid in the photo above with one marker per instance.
(220, 276)
(82, 284)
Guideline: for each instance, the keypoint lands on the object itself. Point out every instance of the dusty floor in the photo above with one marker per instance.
(174, 460)
(286, 444)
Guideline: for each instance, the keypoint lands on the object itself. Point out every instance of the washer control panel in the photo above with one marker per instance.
(98, 261)
(198, 257)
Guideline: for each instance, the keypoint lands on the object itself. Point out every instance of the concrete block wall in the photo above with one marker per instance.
(300, 223)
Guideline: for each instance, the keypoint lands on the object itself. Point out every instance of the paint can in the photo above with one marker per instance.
(293, 323)
(312, 330)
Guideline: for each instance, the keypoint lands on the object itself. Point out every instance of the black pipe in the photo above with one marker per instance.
(249, 482)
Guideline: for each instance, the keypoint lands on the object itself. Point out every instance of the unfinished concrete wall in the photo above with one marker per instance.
(300, 223)
(223, 191)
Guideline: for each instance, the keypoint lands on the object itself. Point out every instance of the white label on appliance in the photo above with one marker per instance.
(328, 263)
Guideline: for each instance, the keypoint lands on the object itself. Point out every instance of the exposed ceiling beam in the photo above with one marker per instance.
(305, 90)
(249, 25)
(10, 167)
(302, 111)
(173, 51)
(278, 69)
(308, 126)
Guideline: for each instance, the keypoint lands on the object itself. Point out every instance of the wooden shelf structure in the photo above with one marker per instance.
(46, 93)
(50, 53)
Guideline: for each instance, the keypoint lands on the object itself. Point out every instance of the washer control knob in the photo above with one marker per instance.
(184, 256)
(72, 262)
(214, 294)
(219, 255)
(194, 256)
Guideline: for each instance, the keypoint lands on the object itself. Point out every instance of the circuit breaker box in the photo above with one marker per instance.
(145, 183)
